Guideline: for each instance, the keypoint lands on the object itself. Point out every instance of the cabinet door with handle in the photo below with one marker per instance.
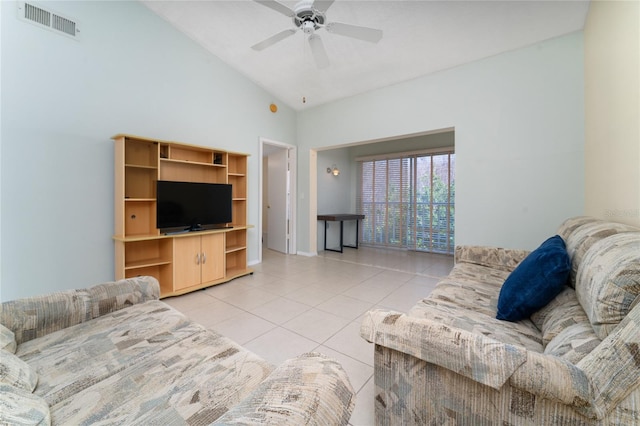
(187, 262)
(212, 257)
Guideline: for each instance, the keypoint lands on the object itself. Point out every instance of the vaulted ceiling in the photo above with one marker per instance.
(419, 37)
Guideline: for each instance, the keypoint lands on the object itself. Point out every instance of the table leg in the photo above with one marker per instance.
(325, 234)
(357, 233)
(325, 238)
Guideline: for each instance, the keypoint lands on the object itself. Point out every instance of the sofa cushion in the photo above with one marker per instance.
(583, 237)
(192, 382)
(573, 343)
(19, 407)
(562, 312)
(467, 299)
(535, 282)
(146, 364)
(16, 372)
(608, 281)
(521, 333)
(77, 357)
(7, 339)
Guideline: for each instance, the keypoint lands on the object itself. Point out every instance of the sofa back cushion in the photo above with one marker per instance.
(112, 296)
(608, 280)
(38, 316)
(573, 343)
(581, 233)
(566, 330)
(569, 226)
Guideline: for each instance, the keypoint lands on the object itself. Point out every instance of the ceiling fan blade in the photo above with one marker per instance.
(317, 49)
(355, 31)
(278, 7)
(322, 5)
(273, 39)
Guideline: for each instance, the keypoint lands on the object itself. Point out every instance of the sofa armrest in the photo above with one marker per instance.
(112, 296)
(310, 389)
(37, 316)
(482, 359)
(492, 257)
(614, 365)
(555, 379)
(475, 356)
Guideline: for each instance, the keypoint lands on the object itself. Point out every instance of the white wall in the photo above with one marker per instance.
(519, 136)
(612, 103)
(62, 100)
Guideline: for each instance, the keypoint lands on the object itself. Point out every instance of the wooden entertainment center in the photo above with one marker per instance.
(182, 262)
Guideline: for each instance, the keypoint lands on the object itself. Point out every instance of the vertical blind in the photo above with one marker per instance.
(408, 201)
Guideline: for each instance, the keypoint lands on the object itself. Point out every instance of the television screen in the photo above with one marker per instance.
(192, 205)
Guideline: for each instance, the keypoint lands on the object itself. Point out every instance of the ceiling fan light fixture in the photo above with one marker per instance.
(308, 27)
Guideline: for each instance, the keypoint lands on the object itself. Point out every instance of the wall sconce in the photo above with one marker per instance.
(333, 170)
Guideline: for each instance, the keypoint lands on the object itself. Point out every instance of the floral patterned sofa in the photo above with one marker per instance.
(115, 354)
(576, 361)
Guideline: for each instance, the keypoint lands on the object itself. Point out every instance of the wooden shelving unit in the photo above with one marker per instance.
(183, 262)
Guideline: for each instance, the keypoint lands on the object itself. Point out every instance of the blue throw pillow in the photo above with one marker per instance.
(536, 281)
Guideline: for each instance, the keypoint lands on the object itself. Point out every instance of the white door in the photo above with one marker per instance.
(277, 208)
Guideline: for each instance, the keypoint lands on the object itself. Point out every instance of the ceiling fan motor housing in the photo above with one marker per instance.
(307, 17)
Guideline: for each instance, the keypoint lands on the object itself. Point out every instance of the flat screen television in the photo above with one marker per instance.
(192, 206)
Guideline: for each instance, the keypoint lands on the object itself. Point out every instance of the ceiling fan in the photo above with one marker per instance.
(309, 16)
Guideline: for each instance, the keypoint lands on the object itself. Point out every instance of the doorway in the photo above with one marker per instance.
(277, 204)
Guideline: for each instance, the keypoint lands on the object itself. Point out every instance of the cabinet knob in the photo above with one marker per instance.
(204, 258)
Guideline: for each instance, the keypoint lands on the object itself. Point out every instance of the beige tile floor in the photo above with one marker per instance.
(296, 304)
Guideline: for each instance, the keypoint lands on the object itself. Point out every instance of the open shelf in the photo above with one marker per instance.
(186, 171)
(237, 164)
(141, 153)
(140, 217)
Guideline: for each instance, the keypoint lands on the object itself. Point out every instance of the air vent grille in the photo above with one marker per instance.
(37, 15)
(63, 24)
(48, 19)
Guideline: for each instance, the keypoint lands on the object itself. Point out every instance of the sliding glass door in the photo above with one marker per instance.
(408, 201)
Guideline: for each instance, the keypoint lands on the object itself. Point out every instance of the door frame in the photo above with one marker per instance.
(292, 200)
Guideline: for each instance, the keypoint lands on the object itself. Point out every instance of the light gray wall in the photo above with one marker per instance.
(519, 137)
(62, 100)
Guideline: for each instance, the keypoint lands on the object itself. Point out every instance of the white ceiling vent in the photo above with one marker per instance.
(35, 14)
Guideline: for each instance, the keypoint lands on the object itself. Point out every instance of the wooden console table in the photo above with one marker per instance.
(340, 218)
